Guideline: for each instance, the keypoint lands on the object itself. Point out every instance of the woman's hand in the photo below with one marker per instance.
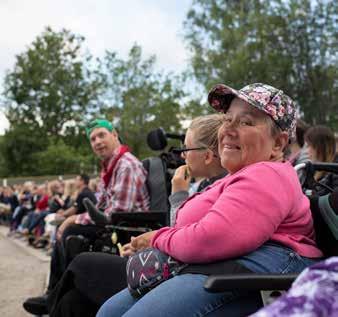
(59, 200)
(127, 250)
(143, 241)
(181, 179)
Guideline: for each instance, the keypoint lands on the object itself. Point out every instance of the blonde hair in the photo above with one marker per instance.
(28, 185)
(93, 185)
(205, 129)
(52, 187)
(70, 189)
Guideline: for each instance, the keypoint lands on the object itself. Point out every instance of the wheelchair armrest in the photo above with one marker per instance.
(137, 230)
(140, 218)
(222, 283)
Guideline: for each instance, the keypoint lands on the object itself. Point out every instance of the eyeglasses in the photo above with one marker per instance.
(183, 150)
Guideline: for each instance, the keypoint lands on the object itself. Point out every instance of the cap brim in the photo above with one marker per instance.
(221, 96)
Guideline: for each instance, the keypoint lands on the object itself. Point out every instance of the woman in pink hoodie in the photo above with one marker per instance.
(255, 219)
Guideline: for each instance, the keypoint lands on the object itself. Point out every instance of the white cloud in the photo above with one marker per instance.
(106, 24)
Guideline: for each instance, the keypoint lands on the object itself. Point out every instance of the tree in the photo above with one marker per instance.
(17, 150)
(60, 158)
(138, 98)
(51, 84)
(289, 44)
(46, 99)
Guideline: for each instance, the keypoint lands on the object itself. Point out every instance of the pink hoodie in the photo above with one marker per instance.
(240, 212)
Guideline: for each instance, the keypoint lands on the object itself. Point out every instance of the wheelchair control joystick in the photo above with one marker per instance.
(97, 216)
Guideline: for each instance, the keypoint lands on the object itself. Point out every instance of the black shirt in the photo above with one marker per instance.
(85, 193)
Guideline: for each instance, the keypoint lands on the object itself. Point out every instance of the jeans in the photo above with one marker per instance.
(184, 295)
(274, 258)
(38, 218)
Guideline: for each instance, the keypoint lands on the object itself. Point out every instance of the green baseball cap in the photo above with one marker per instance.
(98, 123)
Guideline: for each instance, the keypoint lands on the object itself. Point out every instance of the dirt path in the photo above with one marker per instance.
(22, 274)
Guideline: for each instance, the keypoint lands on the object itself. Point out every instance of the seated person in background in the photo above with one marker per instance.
(4, 205)
(41, 208)
(82, 187)
(122, 188)
(255, 219)
(298, 151)
(91, 278)
(26, 204)
(202, 161)
(94, 185)
(9, 202)
(56, 202)
(55, 219)
(321, 146)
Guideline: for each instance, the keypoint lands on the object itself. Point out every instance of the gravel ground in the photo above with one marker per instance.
(23, 273)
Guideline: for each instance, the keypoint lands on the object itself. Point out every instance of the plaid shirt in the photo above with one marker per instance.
(126, 191)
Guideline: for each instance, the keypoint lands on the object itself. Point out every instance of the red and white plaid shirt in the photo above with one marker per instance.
(126, 190)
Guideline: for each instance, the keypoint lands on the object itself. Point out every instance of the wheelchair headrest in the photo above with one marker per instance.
(157, 140)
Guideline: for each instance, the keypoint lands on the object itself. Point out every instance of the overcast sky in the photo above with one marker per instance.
(106, 24)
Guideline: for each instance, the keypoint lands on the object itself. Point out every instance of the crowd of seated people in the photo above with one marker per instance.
(247, 213)
(33, 212)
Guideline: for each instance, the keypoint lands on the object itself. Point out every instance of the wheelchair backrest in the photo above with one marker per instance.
(324, 209)
(157, 183)
(325, 219)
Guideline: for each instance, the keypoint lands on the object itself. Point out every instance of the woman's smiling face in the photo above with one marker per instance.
(245, 136)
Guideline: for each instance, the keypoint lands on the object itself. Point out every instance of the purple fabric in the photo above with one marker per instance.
(313, 294)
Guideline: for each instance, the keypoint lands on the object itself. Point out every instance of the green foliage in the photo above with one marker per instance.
(140, 98)
(46, 99)
(17, 150)
(50, 84)
(289, 44)
(60, 158)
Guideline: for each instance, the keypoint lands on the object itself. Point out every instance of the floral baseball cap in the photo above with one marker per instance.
(274, 102)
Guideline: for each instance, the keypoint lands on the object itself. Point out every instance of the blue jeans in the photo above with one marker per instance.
(274, 258)
(184, 295)
(37, 219)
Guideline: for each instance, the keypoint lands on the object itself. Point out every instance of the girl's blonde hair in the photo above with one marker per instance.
(52, 186)
(70, 189)
(205, 129)
(93, 185)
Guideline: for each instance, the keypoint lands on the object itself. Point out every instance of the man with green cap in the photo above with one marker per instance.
(122, 188)
(122, 185)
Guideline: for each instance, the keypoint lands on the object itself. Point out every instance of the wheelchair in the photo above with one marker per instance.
(121, 226)
(324, 211)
